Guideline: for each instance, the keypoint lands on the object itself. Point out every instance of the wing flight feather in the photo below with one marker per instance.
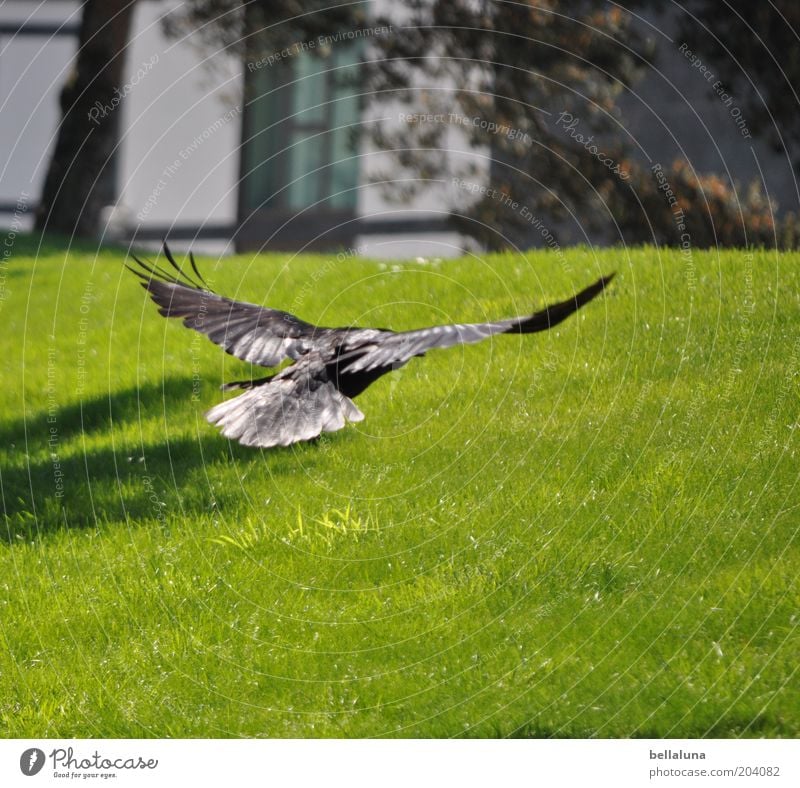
(252, 333)
(394, 349)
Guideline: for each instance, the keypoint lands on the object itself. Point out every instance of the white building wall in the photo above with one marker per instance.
(178, 156)
(180, 119)
(32, 70)
(179, 161)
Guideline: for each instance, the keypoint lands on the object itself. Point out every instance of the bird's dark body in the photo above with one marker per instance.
(355, 383)
(332, 365)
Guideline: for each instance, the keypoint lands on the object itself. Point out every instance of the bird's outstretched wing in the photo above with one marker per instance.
(249, 332)
(313, 395)
(297, 404)
(391, 350)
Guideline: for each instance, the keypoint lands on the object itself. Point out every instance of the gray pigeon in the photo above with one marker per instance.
(331, 365)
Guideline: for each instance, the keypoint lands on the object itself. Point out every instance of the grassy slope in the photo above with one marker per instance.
(590, 532)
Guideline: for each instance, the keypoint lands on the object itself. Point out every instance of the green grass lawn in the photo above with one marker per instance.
(590, 532)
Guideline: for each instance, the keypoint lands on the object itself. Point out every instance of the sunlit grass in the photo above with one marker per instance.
(592, 532)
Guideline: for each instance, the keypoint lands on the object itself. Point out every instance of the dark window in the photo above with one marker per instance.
(299, 146)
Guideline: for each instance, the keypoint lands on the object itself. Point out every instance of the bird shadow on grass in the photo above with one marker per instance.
(69, 481)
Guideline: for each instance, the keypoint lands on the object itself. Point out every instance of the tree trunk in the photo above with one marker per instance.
(77, 184)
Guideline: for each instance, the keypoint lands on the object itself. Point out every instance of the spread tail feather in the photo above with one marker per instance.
(283, 412)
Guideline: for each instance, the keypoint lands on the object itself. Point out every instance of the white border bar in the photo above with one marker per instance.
(404, 763)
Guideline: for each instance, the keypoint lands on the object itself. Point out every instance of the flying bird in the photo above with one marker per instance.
(331, 365)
